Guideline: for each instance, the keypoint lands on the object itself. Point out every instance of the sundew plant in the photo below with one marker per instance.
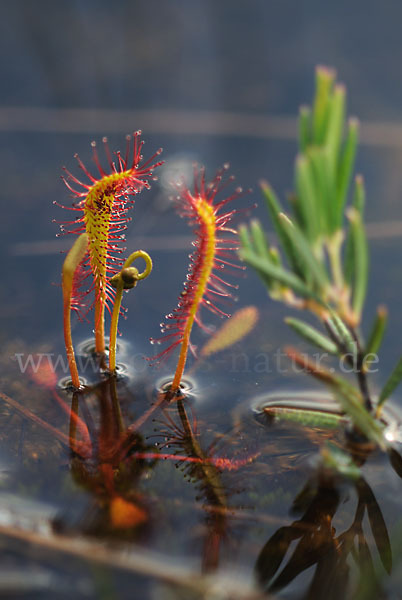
(102, 206)
(320, 263)
(94, 263)
(215, 246)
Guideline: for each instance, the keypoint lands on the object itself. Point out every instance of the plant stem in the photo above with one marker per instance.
(114, 324)
(357, 362)
(181, 363)
(68, 341)
(361, 374)
(71, 266)
(120, 282)
(334, 252)
(100, 319)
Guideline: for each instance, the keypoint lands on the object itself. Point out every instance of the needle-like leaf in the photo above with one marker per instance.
(377, 331)
(303, 247)
(335, 125)
(312, 335)
(259, 238)
(324, 82)
(360, 259)
(247, 245)
(306, 199)
(304, 128)
(275, 209)
(338, 327)
(391, 384)
(264, 267)
(346, 168)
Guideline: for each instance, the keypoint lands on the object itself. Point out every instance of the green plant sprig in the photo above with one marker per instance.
(312, 236)
(323, 263)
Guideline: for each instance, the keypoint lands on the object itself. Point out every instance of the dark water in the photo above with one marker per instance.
(212, 65)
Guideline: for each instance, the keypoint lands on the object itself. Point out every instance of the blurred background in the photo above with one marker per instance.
(209, 80)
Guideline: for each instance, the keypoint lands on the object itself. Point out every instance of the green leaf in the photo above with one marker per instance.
(312, 335)
(341, 331)
(377, 331)
(295, 205)
(392, 383)
(335, 125)
(348, 262)
(304, 128)
(274, 256)
(244, 237)
(301, 244)
(346, 168)
(324, 82)
(306, 198)
(356, 261)
(360, 261)
(305, 416)
(275, 209)
(264, 267)
(246, 244)
(325, 192)
(259, 238)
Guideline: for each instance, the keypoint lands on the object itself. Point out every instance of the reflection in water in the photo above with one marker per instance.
(110, 458)
(116, 457)
(313, 540)
(106, 470)
(183, 436)
(113, 460)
